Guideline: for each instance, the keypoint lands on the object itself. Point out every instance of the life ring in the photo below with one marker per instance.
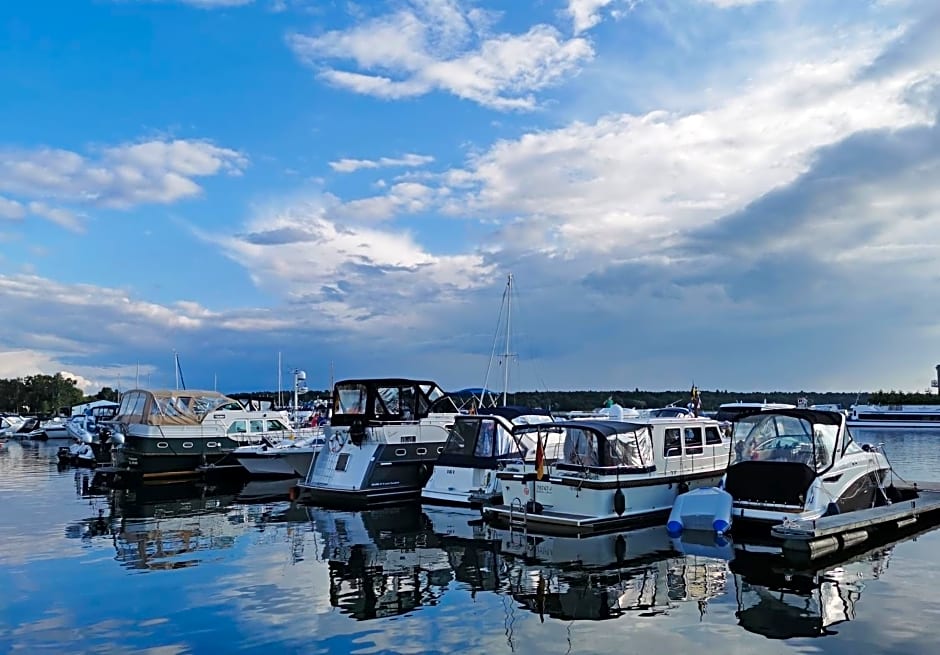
(336, 442)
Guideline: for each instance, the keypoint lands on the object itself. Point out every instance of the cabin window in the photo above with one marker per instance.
(409, 439)
(238, 427)
(229, 406)
(350, 399)
(581, 447)
(693, 441)
(672, 443)
(484, 447)
(712, 436)
(274, 426)
(462, 437)
(256, 425)
(341, 461)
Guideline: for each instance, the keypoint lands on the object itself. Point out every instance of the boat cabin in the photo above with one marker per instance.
(776, 454)
(480, 440)
(387, 400)
(172, 407)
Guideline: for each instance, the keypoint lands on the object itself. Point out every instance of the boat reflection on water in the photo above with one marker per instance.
(606, 576)
(178, 525)
(388, 562)
(780, 600)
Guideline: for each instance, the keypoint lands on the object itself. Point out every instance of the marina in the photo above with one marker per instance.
(343, 580)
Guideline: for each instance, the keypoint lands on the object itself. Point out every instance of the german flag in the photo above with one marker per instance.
(539, 457)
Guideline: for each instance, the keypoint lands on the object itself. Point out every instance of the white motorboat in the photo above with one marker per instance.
(290, 457)
(800, 464)
(895, 417)
(384, 437)
(612, 473)
(465, 472)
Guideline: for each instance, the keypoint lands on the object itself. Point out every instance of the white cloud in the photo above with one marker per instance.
(429, 46)
(353, 165)
(636, 179)
(57, 215)
(586, 13)
(404, 197)
(352, 276)
(11, 209)
(118, 177)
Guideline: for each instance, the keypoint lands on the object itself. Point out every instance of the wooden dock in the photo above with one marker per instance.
(826, 535)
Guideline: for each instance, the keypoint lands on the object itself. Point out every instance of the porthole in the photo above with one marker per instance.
(162, 444)
(401, 452)
(422, 451)
(187, 444)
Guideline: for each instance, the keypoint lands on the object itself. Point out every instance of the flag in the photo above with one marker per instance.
(539, 457)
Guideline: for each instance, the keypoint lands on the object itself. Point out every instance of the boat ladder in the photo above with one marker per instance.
(518, 516)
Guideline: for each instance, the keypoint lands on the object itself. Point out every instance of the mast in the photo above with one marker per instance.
(508, 354)
(176, 370)
(279, 402)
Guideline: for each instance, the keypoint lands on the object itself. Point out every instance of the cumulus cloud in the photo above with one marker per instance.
(353, 165)
(116, 177)
(428, 46)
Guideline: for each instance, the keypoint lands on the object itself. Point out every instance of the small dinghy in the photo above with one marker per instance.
(77, 454)
(703, 509)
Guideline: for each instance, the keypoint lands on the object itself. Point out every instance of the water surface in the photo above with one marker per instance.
(194, 568)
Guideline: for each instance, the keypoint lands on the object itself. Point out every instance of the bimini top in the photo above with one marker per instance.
(387, 400)
(602, 445)
(172, 406)
(605, 428)
(823, 416)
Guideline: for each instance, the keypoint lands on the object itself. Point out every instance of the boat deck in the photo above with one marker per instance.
(830, 533)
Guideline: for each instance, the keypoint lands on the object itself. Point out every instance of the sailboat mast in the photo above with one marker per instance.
(176, 369)
(508, 332)
(279, 403)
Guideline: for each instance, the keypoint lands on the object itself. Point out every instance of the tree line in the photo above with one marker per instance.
(46, 395)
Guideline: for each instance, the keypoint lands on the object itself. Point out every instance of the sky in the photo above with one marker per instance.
(736, 193)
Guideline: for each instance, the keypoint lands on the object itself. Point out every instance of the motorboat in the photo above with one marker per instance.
(173, 432)
(791, 464)
(895, 417)
(465, 471)
(383, 440)
(612, 473)
(289, 457)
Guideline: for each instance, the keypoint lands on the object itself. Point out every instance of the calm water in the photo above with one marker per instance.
(195, 569)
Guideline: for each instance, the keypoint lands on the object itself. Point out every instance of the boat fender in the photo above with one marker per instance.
(620, 547)
(683, 487)
(620, 503)
(292, 494)
(424, 474)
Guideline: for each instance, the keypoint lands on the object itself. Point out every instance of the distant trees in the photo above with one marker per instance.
(901, 398)
(39, 394)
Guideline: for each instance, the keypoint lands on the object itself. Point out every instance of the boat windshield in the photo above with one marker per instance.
(480, 437)
(584, 447)
(350, 399)
(771, 437)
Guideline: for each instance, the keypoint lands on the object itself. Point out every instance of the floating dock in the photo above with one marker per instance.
(816, 538)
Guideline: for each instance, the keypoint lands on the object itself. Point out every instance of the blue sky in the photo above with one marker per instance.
(739, 192)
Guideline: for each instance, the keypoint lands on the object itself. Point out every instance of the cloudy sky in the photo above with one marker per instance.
(742, 193)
